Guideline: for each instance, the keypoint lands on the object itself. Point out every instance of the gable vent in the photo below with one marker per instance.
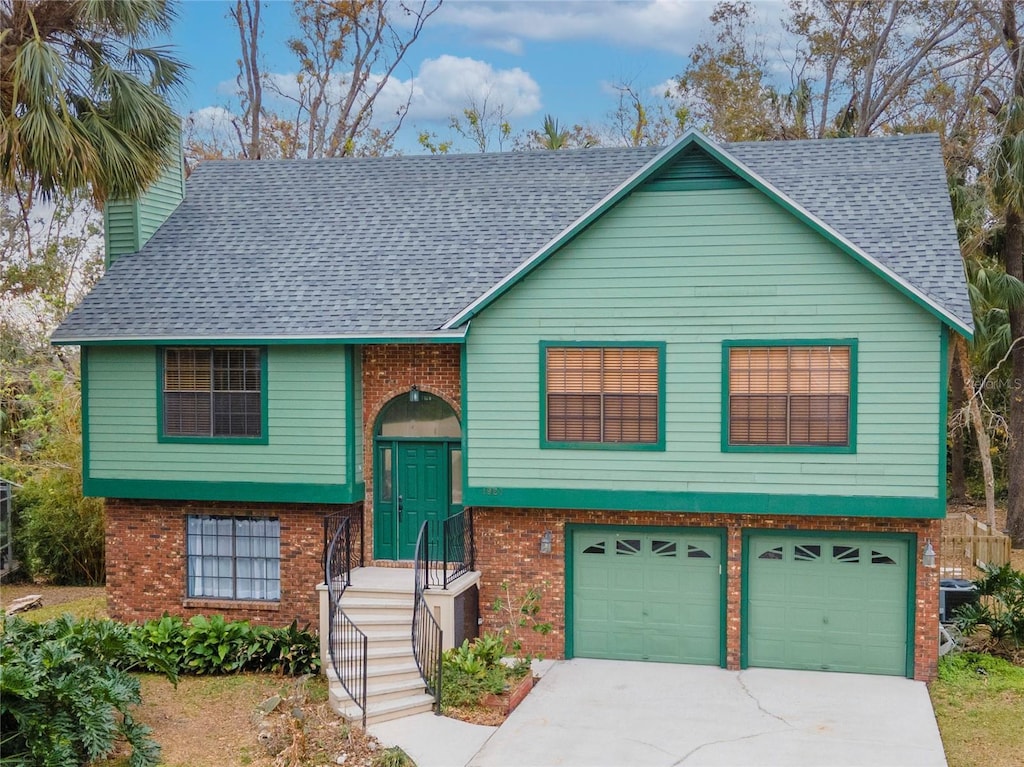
(696, 170)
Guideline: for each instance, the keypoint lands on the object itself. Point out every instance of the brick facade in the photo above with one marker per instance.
(508, 549)
(146, 560)
(392, 370)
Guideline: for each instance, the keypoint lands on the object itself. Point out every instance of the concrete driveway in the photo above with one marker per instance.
(592, 713)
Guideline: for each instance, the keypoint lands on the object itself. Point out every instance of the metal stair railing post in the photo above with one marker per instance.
(347, 644)
(427, 638)
(333, 522)
(457, 542)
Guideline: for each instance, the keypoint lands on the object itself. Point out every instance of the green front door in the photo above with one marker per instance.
(647, 594)
(422, 490)
(835, 603)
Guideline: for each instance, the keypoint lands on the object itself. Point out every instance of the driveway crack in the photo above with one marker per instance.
(762, 709)
(693, 751)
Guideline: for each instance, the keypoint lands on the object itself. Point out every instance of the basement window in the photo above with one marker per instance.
(234, 557)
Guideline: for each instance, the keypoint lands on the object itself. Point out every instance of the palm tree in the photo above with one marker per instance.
(994, 294)
(552, 136)
(1007, 172)
(83, 103)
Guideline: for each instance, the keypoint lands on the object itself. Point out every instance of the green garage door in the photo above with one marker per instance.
(647, 595)
(832, 603)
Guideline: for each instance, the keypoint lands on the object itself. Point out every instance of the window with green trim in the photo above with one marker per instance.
(789, 396)
(602, 394)
(214, 392)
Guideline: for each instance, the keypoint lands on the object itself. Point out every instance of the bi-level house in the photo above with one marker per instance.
(696, 397)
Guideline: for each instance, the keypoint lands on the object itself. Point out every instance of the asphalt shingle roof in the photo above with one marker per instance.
(399, 245)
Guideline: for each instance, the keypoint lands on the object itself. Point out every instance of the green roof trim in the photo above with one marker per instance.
(452, 337)
(690, 140)
(900, 507)
(173, 490)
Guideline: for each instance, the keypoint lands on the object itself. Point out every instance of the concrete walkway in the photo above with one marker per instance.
(589, 713)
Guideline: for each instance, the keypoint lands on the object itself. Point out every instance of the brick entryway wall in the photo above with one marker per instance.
(508, 549)
(392, 370)
(147, 560)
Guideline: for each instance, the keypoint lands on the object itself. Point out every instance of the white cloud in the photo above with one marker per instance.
(666, 88)
(506, 44)
(211, 119)
(448, 84)
(668, 25)
(443, 86)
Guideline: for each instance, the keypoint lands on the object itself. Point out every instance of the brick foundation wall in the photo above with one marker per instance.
(146, 561)
(508, 549)
(389, 371)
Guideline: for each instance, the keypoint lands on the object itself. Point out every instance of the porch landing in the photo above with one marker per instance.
(384, 578)
(402, 579)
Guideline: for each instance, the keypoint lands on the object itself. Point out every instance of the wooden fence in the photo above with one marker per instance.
(968, 543)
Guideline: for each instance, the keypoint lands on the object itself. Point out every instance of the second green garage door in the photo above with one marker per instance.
(836, 603)
(642, 594)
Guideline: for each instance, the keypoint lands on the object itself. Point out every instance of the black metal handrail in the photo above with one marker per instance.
(335, 522)
(346, 643)
(427, 640)
(457, 550)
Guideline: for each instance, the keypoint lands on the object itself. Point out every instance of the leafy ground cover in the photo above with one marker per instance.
(475, 672)
(224, 721)
(979, 705)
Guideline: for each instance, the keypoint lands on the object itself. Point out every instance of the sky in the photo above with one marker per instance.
(534, 57)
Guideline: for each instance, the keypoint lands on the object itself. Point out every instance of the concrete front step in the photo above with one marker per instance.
(398, 609)
(397, 672)
(371, 621)
(394, 638)
(382, 594)
(380, 677)
(387, 656)
(380, 604)
(384, 711)
(378, 692)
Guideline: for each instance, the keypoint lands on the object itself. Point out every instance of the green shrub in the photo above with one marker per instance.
(59, 534)
(392, 757)
(216, 646)
(996, 621)
(476, 669)
(289, 650)
(63, 699)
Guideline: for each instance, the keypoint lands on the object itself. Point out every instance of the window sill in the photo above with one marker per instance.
(620, 446)
(231, 604)
(197, 440)
(847, 449)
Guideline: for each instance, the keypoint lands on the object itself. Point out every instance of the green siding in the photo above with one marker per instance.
(306, 424)
(357, 397)
(694, 269)
(128, 224)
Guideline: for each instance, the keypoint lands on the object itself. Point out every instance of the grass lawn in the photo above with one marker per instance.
(979, 704)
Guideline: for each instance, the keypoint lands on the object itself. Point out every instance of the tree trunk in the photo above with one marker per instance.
(984, 444)
(958, 399)
(1013, 260)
